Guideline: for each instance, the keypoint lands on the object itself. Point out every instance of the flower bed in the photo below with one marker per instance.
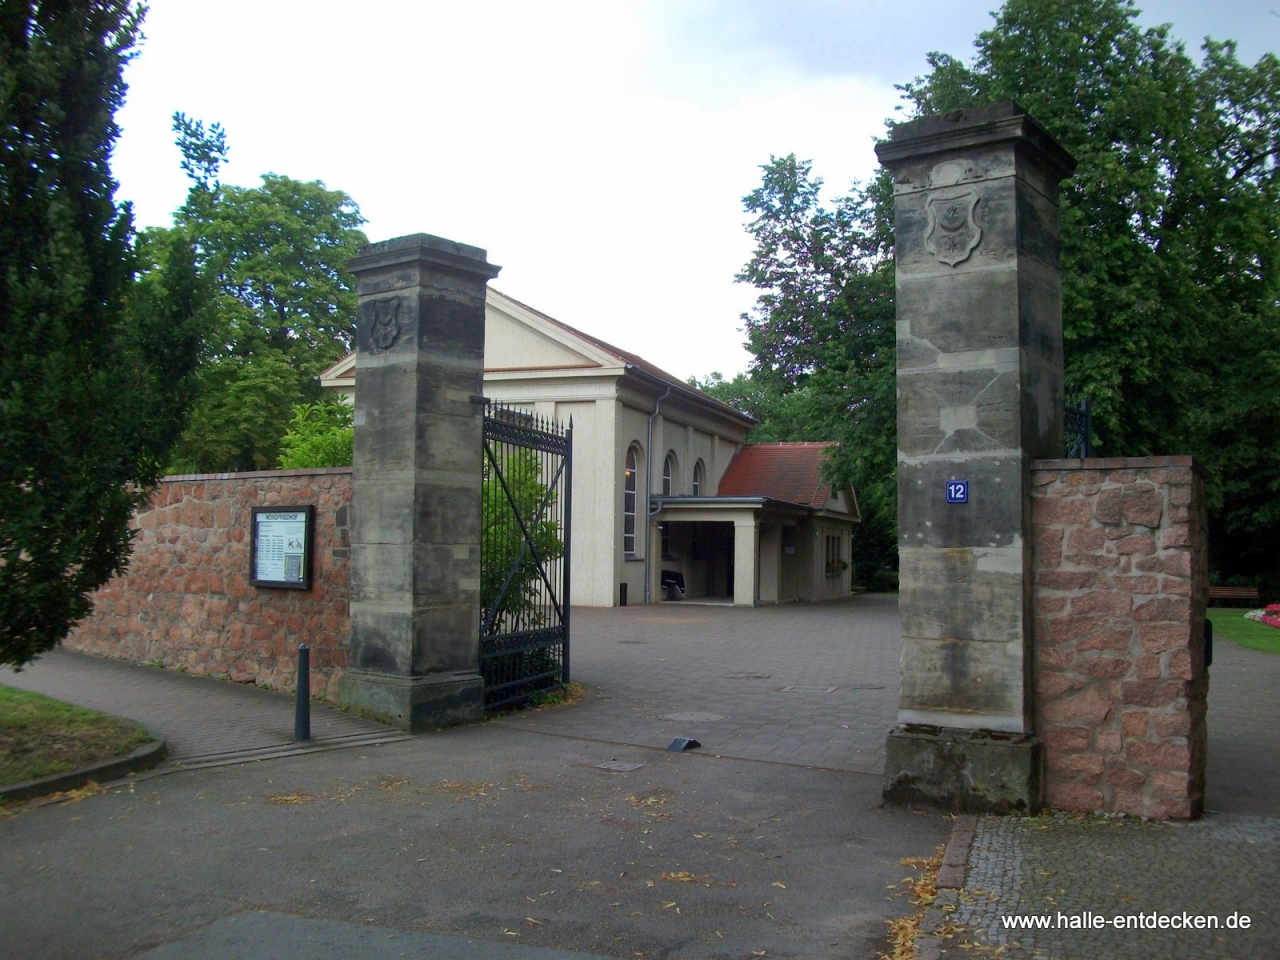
(1270, 615)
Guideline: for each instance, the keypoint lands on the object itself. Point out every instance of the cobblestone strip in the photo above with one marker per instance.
(1062, 868)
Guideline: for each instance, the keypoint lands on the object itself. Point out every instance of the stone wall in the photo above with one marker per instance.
(1121, 584)
(186, 601)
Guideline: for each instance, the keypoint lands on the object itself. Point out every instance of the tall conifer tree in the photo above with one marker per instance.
(95, 366)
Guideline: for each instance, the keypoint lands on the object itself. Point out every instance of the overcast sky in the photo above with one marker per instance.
(599, 150)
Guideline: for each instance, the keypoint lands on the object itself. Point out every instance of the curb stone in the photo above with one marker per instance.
(143, 758)
(951, 875)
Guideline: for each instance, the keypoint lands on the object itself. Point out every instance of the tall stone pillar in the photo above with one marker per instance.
(414, 653)
(980, 395)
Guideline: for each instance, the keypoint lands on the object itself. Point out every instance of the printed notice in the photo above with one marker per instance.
(281, 546)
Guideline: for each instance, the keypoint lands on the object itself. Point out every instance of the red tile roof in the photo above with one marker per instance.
(783, 471)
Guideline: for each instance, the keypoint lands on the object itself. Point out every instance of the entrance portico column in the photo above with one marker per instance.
(746, 532)
(980, 394)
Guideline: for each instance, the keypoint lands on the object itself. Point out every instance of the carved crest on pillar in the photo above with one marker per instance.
(384, 323)
(953, 233)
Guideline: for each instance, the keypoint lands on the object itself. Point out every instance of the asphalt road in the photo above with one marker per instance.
(483, 833)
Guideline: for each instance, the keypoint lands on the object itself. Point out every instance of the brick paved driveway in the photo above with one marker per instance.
(809, 684)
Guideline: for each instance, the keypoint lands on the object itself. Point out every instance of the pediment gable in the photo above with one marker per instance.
(518, 338)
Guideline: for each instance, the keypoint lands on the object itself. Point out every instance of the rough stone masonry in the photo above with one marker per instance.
(980, 394)
(1121, 590)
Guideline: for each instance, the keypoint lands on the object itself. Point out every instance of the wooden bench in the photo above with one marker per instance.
(1233, 593)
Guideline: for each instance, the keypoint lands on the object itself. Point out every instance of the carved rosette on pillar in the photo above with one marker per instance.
(414, 651)
(980, 395)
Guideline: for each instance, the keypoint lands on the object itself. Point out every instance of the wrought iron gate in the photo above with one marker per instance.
(524, 555)
(1077, 424)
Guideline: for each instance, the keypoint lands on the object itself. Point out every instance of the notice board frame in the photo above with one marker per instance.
(308, 537)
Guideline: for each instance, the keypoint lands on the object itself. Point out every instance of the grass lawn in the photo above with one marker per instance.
(40, 736)
(1229, 622)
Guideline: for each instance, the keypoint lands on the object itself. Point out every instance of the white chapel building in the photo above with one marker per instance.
(664, 488)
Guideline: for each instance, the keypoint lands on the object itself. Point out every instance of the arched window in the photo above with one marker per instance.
(698, 474)
(668, 474)
(629, 504)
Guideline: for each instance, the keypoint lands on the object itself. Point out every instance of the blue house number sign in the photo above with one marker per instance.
(957, 491)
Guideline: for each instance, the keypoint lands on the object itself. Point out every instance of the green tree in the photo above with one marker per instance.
(1170, 243)
(321, 434)
(96, 366)
(1170, 238)
(284, 304)
(822, 333)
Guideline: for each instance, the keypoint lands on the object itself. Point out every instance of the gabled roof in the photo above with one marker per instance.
(597, 352)
(783, 471)
(628, 359)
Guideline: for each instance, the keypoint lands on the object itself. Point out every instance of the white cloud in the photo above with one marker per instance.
(599, 151)
(533, 130)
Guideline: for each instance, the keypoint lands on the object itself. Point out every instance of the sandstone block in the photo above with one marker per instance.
(1085, 540)
(1111, 638)
(1168, 725)
(1124, 777)
(1065, 579)
(1170, 784)
(1172, 609)
(1136, 543)
(1050, 685)
(1148, 666)
(1161, 809)
(1106, 509)
(1062, 739)
(1090, 706)
(1164, 755)
(1151, 693)
(1109, 741)
(1134, 723)
(1073, 796)
(1109, 668)
(1110, 603)
(1142, 505)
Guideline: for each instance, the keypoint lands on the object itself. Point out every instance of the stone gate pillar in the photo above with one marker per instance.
(414, 652)
(980, 395)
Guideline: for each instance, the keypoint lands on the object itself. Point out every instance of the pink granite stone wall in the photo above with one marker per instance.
(1121, 583)
(186, 600)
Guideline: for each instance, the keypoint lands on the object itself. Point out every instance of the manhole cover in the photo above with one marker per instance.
(694, 717)
(747, 675)
(801, 688)
(621, 766)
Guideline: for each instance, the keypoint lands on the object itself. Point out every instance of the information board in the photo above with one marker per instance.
(280, 555)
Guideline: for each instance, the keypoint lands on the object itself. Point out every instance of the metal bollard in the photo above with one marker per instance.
(302, 708)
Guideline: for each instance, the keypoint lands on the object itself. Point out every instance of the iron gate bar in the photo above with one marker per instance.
(528, 541)
(1077, 428)
(526, 458)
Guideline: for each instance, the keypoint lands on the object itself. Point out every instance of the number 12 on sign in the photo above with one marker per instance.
(957, 491)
